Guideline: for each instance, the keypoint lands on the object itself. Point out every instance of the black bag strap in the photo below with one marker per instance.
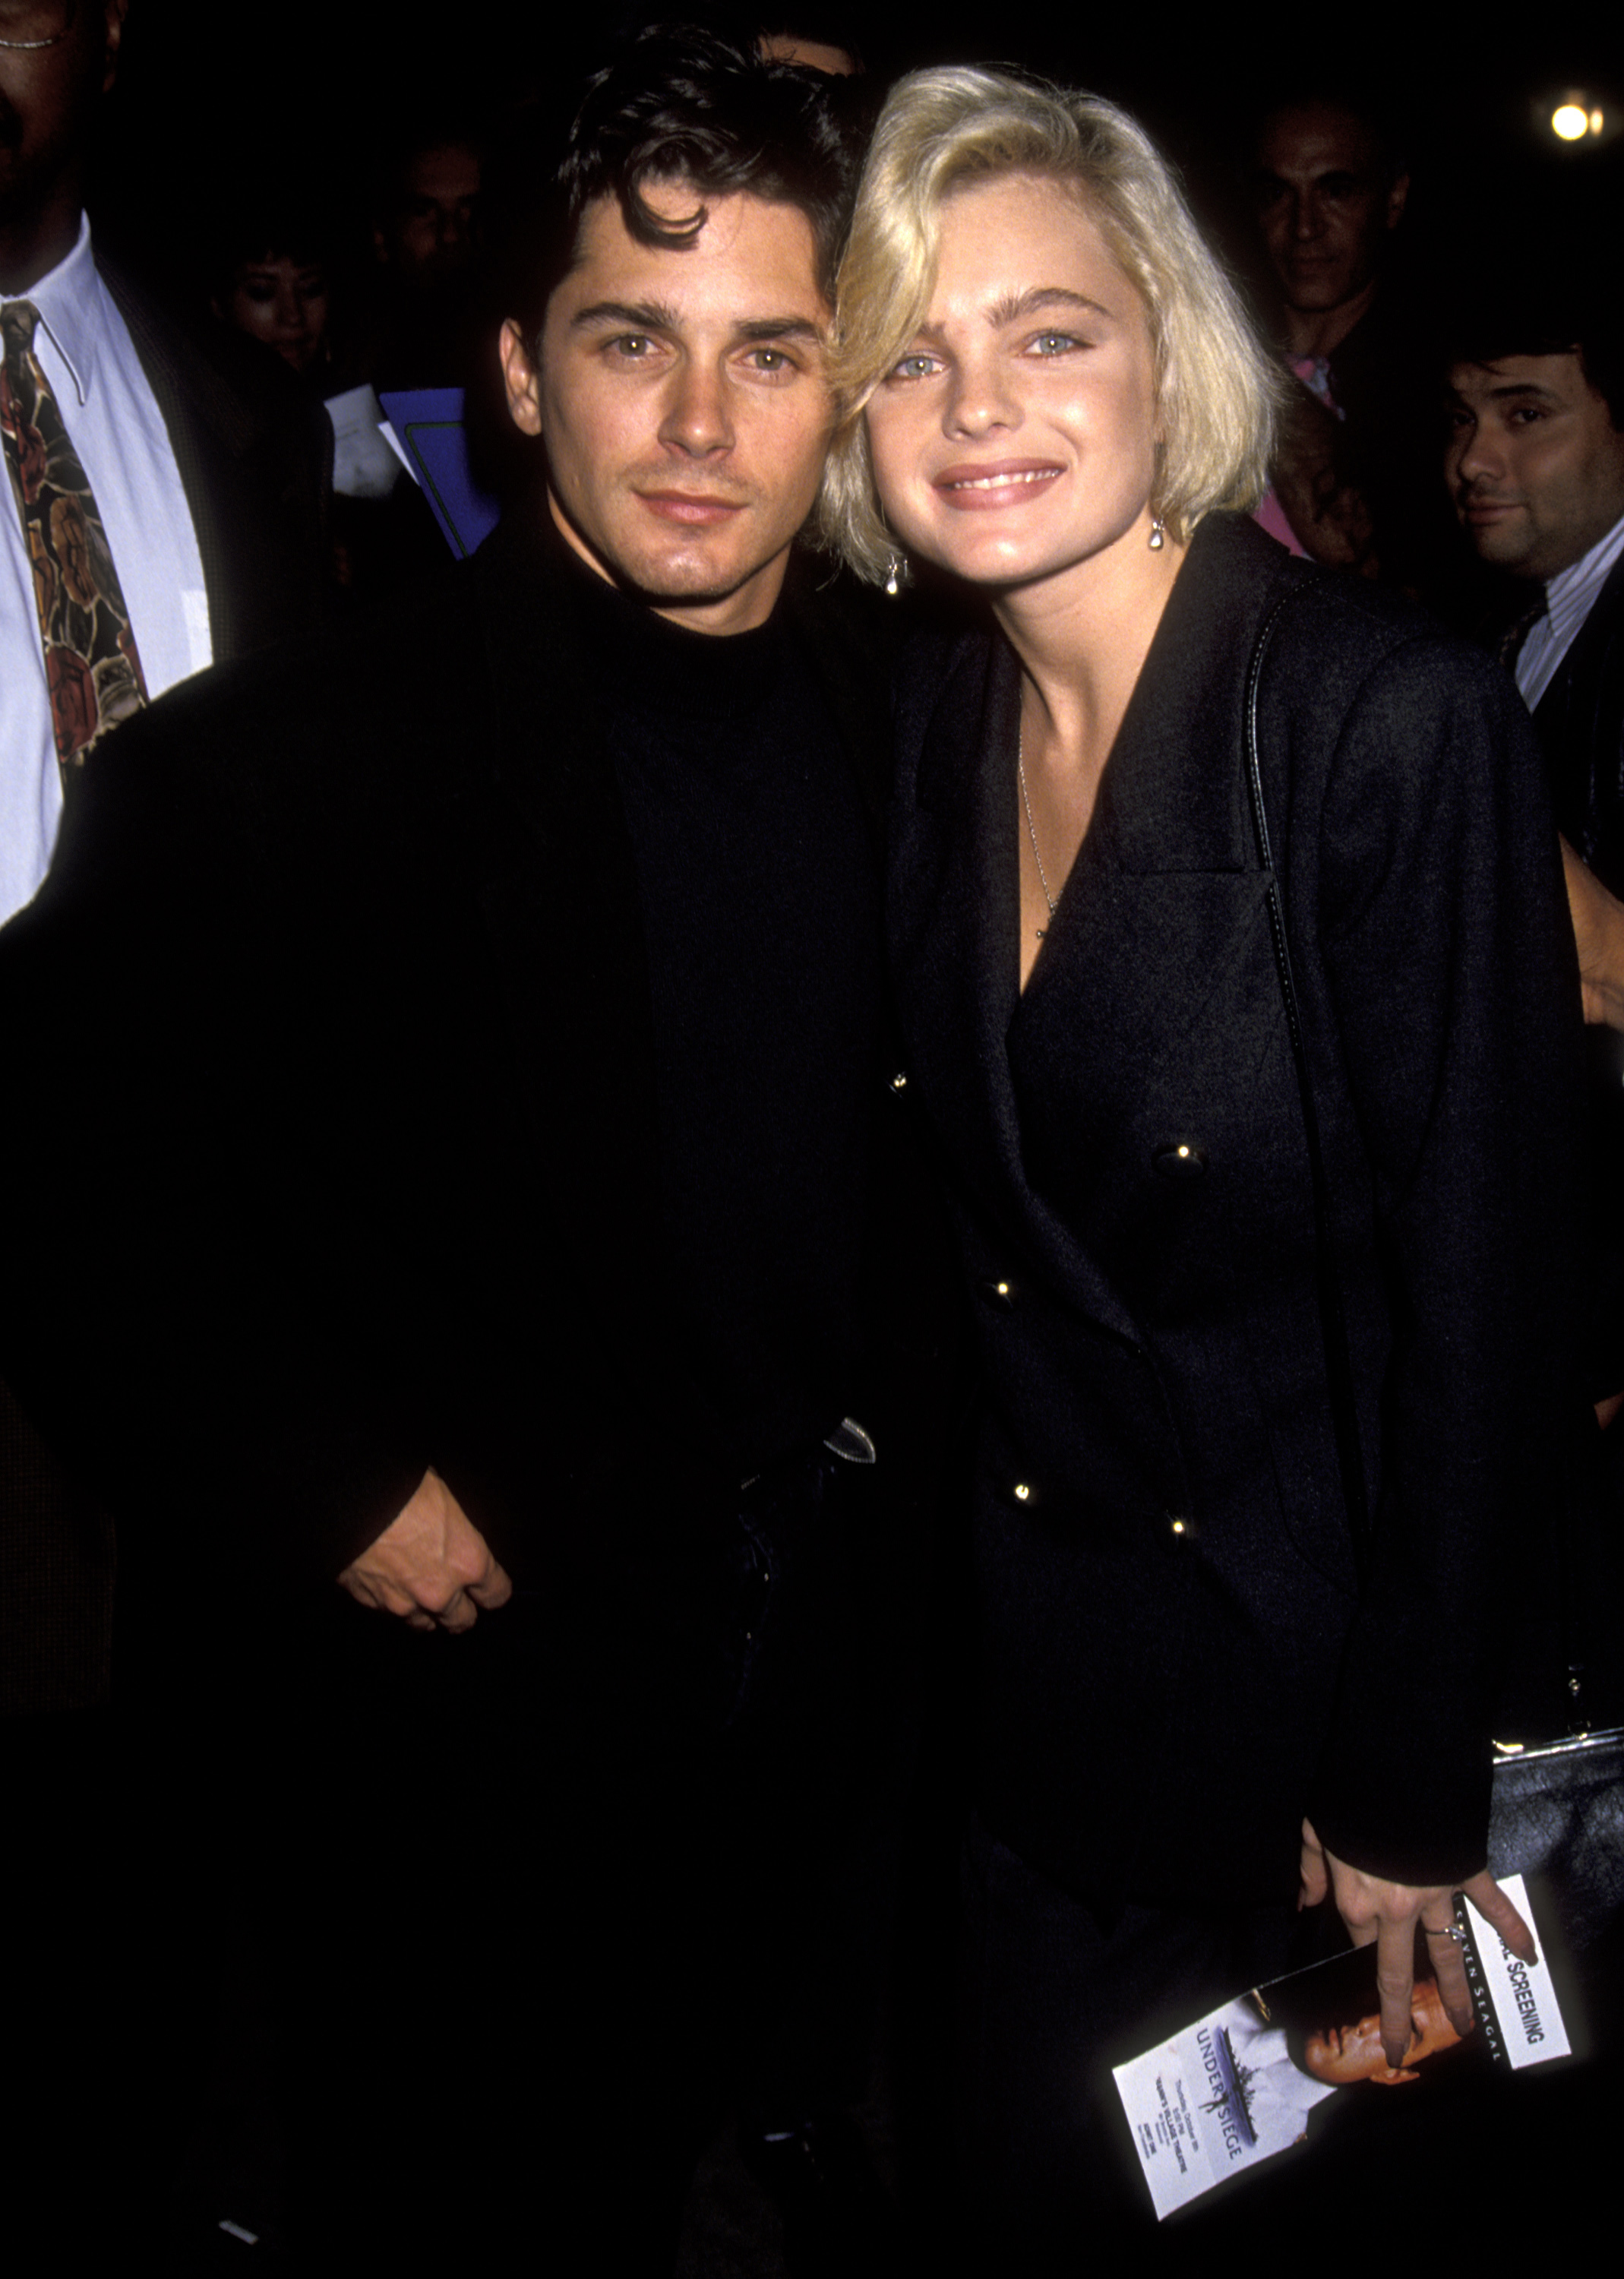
(1333, 1324)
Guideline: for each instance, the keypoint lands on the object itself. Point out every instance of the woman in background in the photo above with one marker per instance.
(1230, 1646)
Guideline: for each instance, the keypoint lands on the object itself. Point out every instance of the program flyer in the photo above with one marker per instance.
(1240, 2084)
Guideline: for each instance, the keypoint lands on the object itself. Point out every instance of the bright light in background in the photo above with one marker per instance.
(1576, 116)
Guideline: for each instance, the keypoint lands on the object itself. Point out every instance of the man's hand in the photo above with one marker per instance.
(431, 1565)
(1598, 931)
(1387, 1913)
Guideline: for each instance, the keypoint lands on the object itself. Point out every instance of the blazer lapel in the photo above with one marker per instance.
(1164, 898)
(954, 920)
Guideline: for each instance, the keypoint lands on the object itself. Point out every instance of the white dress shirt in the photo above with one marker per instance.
(1569, 598)
(114, 424)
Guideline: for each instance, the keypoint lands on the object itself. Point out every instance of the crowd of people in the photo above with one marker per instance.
(802, 1251)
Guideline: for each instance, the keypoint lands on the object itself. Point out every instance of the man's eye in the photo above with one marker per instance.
(630, 344)
(1051, 344)
(770, 360)
(913, 367)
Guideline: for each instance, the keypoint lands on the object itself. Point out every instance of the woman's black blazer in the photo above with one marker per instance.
(1177, 1657)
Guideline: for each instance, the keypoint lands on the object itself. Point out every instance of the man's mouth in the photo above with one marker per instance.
(698, 508)
(1007, 482)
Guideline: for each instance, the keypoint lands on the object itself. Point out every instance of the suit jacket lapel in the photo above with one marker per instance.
(255, 484)
(1164, 895)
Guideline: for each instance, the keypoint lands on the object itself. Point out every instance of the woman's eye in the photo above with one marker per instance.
(913, 367)
(1048, 344)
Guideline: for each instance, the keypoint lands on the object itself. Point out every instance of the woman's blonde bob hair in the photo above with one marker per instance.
(1217, 390)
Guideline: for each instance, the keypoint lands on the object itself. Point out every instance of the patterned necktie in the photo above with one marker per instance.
(91, 668)
(1508, 648)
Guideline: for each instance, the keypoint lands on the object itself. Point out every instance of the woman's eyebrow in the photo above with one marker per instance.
(1010, 306)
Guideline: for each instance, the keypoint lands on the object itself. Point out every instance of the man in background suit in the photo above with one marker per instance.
(1536, 464)
(518, 1255)
(208, 479)
(200, 475)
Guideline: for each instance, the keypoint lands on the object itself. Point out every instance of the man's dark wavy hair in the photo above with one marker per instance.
(682, 104)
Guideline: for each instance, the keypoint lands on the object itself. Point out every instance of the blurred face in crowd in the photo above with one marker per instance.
(1325, 204)
(681, 394)
(432, 234)
(48, 99)
(283, 302)
(1534, 462)
(1349, 2053)
(816, 55)
(1016, 439)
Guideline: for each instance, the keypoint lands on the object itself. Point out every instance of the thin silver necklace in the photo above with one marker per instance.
(1030, 828)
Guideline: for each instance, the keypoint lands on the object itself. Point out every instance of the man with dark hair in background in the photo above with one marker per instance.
(516, 1253)
(1534, 460)
(1329, 186)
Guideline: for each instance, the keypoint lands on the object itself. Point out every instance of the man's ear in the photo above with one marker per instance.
(1396, 198)
(113, 13)
(523, 380)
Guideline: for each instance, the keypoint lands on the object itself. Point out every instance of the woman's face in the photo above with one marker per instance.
(284, 304)
(1016, 438)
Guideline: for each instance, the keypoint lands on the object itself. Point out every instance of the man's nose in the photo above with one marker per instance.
(1478, 457)
(698, 418)
(1307, 219)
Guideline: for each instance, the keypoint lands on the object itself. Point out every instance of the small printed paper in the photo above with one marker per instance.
(1242, 2084)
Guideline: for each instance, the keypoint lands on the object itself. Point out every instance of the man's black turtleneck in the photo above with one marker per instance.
(758, 888)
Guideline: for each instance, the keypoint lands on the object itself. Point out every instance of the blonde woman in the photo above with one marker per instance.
(1255, 1416)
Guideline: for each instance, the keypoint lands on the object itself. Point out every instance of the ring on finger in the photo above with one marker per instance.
(1446, 1930)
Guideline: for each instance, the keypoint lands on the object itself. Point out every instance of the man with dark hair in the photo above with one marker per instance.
(1535, 463)
(509, 1150)
(1330, 184)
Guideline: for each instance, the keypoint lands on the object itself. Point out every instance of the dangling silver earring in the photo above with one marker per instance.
(1158, 537)
(893, 581)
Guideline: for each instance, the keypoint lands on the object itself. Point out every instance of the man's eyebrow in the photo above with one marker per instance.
(1506, 388)
(779, 328)
(639, 316)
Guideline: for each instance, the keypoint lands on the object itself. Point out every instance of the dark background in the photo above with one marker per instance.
(209, 94)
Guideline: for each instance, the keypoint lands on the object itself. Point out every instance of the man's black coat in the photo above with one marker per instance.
(1177, 1657)
(254, 453)
(333, 1016)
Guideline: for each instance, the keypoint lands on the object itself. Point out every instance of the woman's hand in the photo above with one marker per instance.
(1387, 1913)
